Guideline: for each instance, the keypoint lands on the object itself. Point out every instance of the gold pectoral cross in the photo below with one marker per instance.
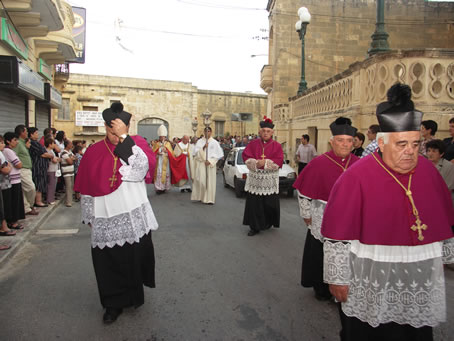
(418, 227)
(113, 179)
(263, 156)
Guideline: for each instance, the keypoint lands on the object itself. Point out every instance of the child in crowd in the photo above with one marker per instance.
(67, 169)
(78, 152)
(49, 143)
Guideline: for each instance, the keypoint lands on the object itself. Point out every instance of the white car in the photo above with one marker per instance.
(235, 174)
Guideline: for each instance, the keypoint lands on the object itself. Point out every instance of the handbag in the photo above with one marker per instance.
(58, 172)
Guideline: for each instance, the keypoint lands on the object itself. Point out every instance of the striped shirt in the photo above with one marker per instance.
(11, 156)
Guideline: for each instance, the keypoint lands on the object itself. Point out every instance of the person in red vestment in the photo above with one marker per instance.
(111, 180)
(263, 157)
(387, 231)
(314, 185)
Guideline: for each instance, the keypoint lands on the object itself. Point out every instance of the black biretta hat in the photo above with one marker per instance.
(116, 111)
(398, 113)
(266, 123)
(342, 126)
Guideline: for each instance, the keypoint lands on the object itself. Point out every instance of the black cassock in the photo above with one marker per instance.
(261, 211)
(122, 271)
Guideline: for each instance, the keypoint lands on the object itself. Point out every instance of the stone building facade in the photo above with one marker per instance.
(336, 44)
(155, 102)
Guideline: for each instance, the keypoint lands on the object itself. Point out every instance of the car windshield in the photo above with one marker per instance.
(239, 157)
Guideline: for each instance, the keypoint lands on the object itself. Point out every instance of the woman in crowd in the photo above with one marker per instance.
(60, 144)
(67, 169)
(51, 170)
(40, 163)
(5, 169)
(78, 152)
(13, 199)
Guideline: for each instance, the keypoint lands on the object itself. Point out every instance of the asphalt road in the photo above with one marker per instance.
(213, 281)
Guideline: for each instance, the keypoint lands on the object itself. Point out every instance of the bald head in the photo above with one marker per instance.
(185, 139)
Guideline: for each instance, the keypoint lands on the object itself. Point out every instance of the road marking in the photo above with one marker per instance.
(66, 231)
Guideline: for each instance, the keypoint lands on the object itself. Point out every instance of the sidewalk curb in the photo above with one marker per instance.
(24, 235)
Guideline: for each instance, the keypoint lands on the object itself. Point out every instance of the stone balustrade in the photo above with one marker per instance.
(356, 92)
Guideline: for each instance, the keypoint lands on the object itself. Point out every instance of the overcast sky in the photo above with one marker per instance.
(209, 45)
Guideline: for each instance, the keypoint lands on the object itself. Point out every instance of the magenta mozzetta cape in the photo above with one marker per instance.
(367, 204)
(96, 168)
(272, 150)
(318, 177)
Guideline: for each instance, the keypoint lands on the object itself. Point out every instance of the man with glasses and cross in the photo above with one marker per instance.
(387, 231)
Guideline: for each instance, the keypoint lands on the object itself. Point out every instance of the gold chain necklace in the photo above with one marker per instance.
(114, 176)
(418, 227)
(337, 163)
(263, 150)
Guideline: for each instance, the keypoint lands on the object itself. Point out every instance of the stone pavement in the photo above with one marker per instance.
(31, 224)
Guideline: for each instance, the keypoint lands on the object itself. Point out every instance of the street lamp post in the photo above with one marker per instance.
(301, 25)
(379, 37)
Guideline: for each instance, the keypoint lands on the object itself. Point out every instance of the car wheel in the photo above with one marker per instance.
(225, 182)
(290, 192)
(238, 191)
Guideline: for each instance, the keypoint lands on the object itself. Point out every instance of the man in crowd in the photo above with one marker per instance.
(163, 149)
(449, 142)
(263, 158)
(111, 178)
(358, 141)
(207, 152)
(28, 186)
(428, 130)
(387, 230)
(182, 151)
(372, 136)
(314, 185)
(305, 153)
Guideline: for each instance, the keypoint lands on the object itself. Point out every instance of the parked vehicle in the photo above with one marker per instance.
(235, 174)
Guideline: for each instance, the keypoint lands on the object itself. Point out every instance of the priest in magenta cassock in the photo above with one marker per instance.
(314, 185)
(387, 230)
(263, 157)
(111, 179)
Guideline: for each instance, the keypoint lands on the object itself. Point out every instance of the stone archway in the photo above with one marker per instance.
(148, 127)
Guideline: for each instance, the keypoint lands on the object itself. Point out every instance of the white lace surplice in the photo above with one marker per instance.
(125, 215)
(311, 208)
(262, 181)
(402, 284)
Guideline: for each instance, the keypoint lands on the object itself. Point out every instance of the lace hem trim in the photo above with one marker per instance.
(262, 182)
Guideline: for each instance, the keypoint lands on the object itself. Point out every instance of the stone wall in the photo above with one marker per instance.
(339, 35)
(177, 103)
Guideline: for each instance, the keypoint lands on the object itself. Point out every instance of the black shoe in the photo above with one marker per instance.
(189, 190)
(252, 233)
(111, 315)
(182, 190)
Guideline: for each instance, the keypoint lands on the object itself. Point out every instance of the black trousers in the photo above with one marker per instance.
(354, 329)
(301, 166)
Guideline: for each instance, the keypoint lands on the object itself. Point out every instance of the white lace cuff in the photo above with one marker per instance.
(137, 168)
(448, 251)
(251, 164)
(87, 208)
(305, 206)
(270, 165)
(336, 267)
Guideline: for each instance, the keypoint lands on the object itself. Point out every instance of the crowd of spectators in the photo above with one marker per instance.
(31, 173)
